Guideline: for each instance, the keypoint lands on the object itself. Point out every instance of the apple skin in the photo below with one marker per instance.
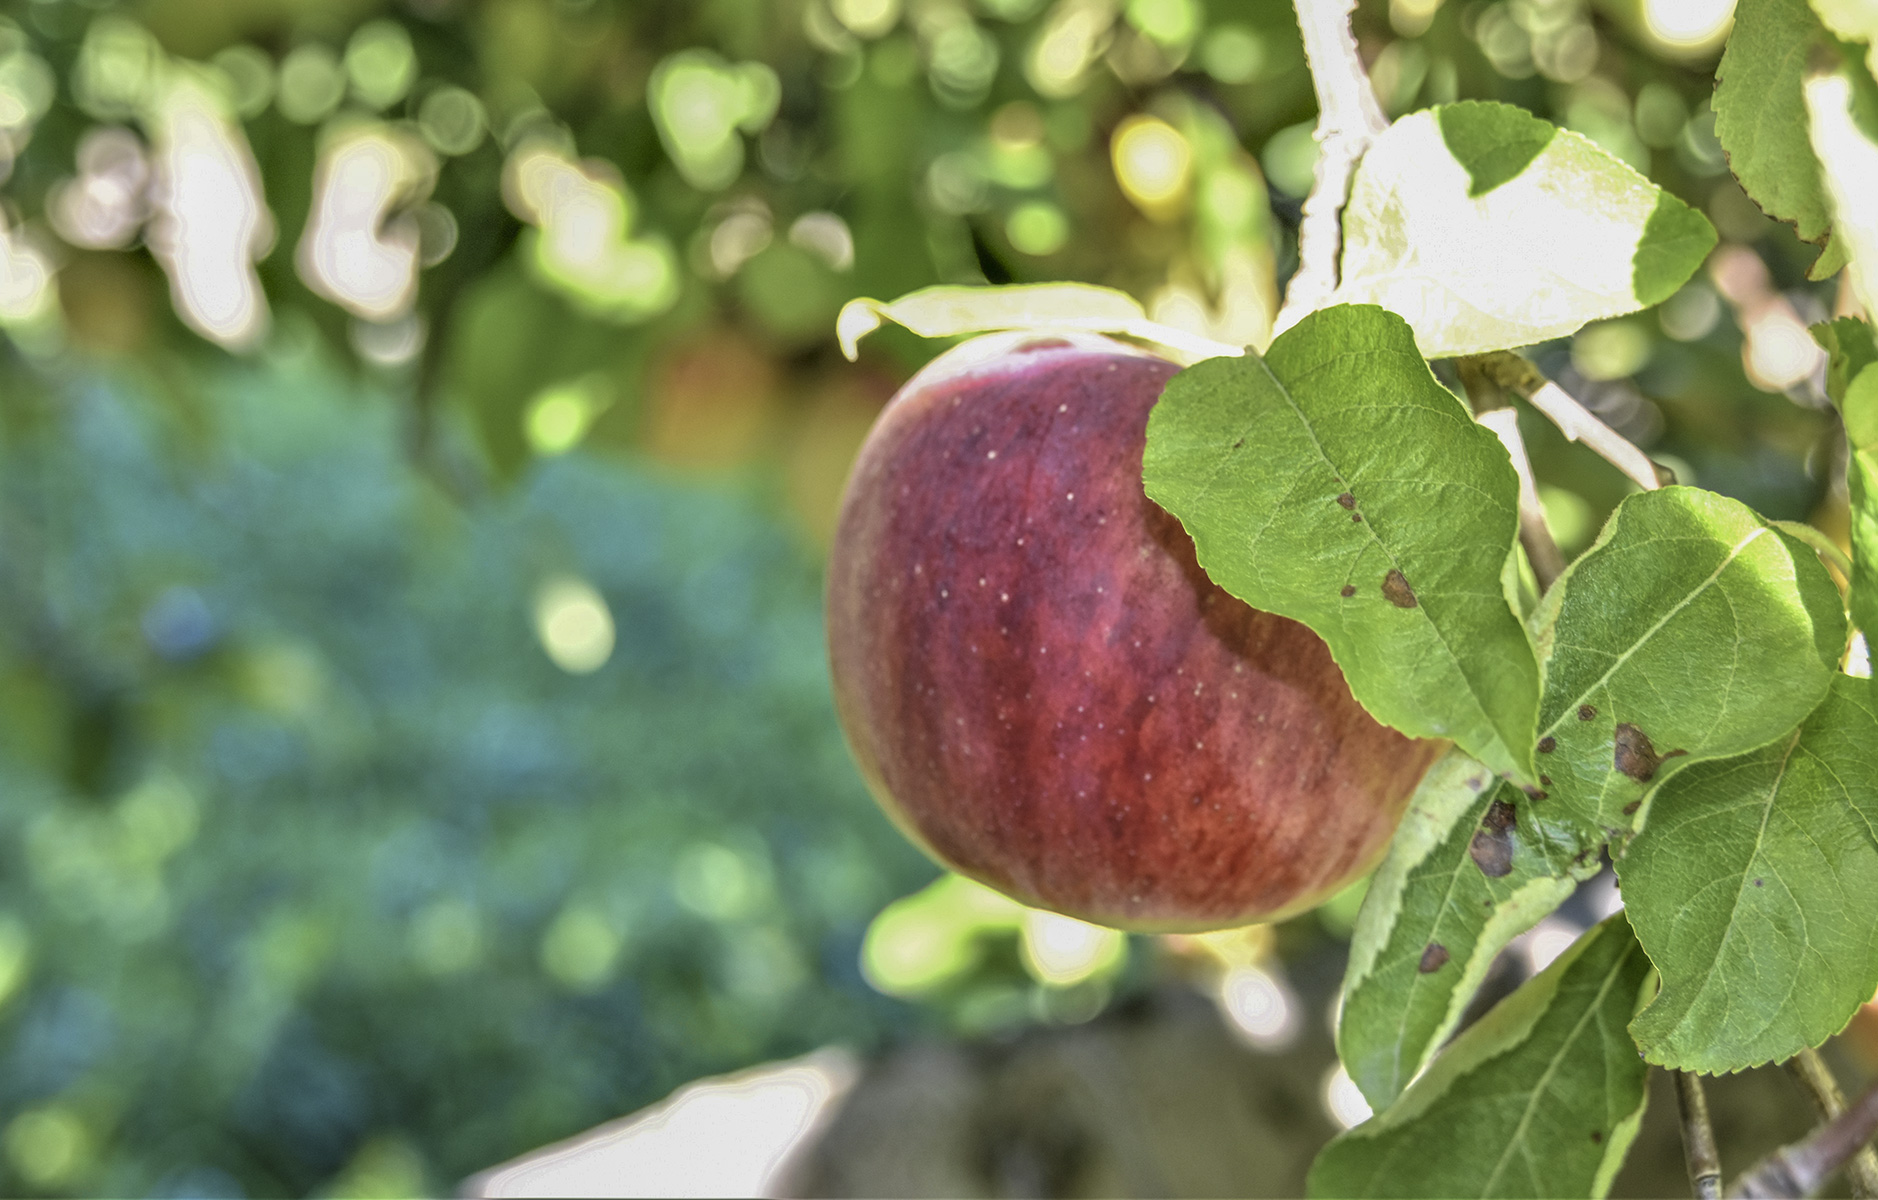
(1044, 690)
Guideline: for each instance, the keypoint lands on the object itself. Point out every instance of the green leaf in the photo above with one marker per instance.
(1760, 111)
(1692, 630)
(1471, 867)
(1753, 887)
(1492, 142)
(1487, 228)
(1337, 483)
(1541, 1097)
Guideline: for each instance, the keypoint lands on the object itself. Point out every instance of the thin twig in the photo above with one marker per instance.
(1573, 419)
(1348, 119)
(1812, 1073)
(1800, 1169)
(1698, 1137)
(1548, 562)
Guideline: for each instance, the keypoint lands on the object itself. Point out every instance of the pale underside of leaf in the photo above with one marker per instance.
(1433, 919)
(1753, 888)
(1541, 1097)
(949, 311)
(1533, 258)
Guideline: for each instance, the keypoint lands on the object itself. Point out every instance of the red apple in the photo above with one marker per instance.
(1044, 690)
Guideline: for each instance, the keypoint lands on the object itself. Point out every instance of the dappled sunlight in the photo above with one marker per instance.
(209, 223)
(361, 245)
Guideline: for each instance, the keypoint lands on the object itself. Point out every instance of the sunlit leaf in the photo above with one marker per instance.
(1848, 168)
(1760, 111)
(1336, 482)
(1753, 887)
(1472, 866)
(1852, 381)
(1541, 1097)
(1692, 630)
(1488, 228)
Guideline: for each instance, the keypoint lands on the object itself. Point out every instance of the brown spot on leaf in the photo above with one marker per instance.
(1476, 783)
(1396, 587)
(1632, 807)
(1434, 957)
(1546, 780)
(1492, 852)
(1492, 847)
(1534, 793)
(1349, 589)
(1357, 517)
(1586, 712)
(1634, 755)
(1596, 1136)
(1757, 883)
(1347, 500)
(1547, 745)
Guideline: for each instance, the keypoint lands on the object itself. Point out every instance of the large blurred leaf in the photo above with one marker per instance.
(1488, 228)
(1336, 482)
(1541, 1097)
(1692, 630)
(1753, 887)
(1472, 866)
(1760, 111)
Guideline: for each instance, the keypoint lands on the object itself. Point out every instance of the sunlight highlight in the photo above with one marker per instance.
(360, 248)
(1061, 951)
(209, 223)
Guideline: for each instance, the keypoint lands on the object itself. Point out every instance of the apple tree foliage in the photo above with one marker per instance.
(1675, 702)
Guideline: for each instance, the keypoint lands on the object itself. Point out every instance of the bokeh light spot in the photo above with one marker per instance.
(48, 1146)
(1037, 228)
(1153, 163)
(574, 625)
(580, 949)
(1343, 1100)
(380, 63)
(1061, 951)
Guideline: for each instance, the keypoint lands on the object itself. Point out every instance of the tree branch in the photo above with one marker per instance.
(1698, 1137)
(1548, 562)
(1348, 118)
(1812, 1073)
(1574, 420)
(1800, 1169)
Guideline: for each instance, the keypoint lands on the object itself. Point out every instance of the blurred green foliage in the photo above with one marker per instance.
(320, 874)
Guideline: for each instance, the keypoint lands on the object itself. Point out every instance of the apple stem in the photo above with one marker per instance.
(1348, 119)
(1574, 420)
(1812, 1073)
(1548, 562)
